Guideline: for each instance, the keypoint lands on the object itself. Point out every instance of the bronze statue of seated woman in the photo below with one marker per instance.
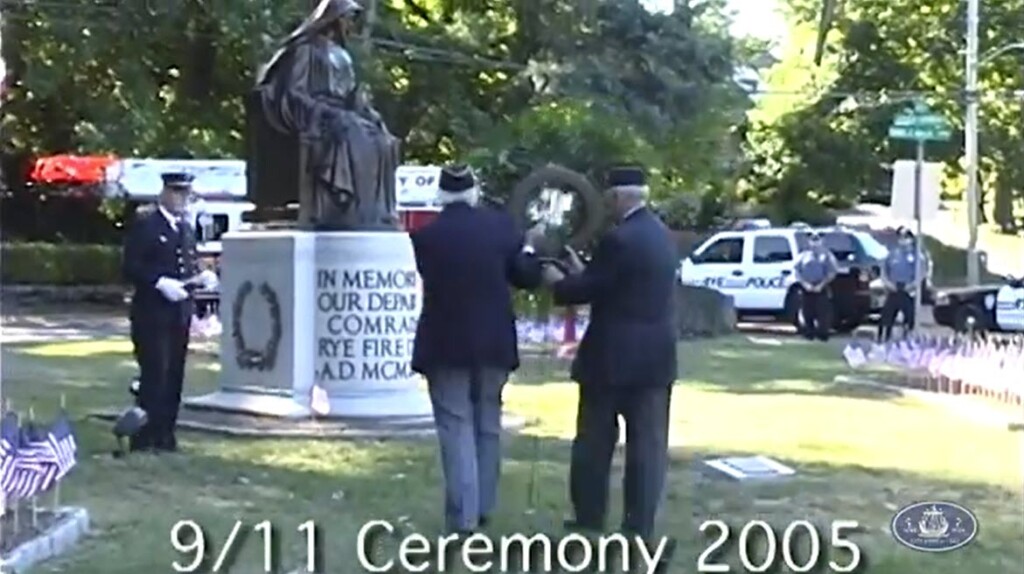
(309, 90)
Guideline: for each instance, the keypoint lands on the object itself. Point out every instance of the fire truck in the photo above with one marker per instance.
(218, 203)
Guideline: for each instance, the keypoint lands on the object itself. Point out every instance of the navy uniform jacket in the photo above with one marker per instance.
(630, 285)
(153, 249)
(467, 258)
(816, 265)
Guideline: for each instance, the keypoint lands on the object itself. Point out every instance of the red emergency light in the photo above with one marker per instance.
(70, 170)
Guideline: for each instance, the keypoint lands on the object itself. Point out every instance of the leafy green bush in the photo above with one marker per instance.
(60, 264)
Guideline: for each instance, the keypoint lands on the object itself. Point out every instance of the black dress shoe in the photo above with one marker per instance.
(666, 557)
(140, 444)
(484, 521)
(167, 444)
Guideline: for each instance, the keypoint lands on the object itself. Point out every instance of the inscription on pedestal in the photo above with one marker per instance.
(366, 323)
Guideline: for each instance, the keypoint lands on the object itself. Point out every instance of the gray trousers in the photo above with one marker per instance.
(646, 413)
(467, 413)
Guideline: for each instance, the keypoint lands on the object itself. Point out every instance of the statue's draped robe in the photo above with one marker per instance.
(310, 90)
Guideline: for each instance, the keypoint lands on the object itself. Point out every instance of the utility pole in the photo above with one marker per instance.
(971, 141)
(918, 239)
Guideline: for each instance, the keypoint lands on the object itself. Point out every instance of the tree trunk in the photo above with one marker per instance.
(1002, 205)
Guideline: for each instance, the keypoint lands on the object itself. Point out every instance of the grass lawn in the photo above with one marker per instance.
(860, 455)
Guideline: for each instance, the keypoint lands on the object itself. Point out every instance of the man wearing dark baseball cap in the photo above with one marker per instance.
(900, 274)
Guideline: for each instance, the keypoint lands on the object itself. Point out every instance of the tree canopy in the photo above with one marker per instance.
(509, 84)
(877, 59)
(512, 84)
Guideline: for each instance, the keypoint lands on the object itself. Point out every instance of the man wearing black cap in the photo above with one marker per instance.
(626, 362)
(160, 263)
(816, 268)
(466, 337)
(900, 275)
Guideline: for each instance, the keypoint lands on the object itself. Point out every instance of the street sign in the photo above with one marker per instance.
(920, 124)
(924, 133)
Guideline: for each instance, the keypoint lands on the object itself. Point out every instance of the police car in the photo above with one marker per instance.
(756, 268)
(984, 308)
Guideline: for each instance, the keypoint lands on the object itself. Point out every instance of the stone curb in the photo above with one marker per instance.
(59, 540)
(326, 430)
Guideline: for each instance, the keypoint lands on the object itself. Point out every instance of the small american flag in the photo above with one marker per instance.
(31, 460)
(9, 437)
(319, 402)
(35, 465)
(61, 439)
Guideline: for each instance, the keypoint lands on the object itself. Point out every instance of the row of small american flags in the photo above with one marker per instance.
(533, 331)
(528, 330)
(977, 362)
(34, 458)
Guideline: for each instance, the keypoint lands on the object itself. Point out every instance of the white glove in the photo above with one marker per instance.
(172, 289)
(208, 279)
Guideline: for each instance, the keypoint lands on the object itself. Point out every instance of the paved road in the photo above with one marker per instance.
(32, 328)
(944, 228)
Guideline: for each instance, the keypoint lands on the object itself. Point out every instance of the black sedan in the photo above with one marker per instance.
(994, 307)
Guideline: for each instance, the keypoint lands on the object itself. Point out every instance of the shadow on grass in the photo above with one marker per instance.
(343, 485)
(340, 485)
(735, 364)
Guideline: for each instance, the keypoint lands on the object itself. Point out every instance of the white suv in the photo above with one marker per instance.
(756, 268)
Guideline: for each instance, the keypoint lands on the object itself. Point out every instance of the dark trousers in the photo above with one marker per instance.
(817, 311)
(160, 349)
(646, 414)
(896, 302)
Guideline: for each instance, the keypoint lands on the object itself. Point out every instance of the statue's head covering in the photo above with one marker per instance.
(326, 13)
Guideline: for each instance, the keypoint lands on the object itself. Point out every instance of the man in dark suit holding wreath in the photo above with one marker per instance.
(626, 363)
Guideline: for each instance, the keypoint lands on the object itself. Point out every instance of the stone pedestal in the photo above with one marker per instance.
(337, 309)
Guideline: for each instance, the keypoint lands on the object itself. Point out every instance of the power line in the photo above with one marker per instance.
(878, 98)
(432, 54)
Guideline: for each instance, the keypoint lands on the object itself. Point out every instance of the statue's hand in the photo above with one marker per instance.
(336, 125)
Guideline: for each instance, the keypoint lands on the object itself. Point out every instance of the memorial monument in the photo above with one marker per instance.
(328, 296)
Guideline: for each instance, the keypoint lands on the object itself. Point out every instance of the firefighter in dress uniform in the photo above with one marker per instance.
(816, 267)
(899, 272)
(160, 264)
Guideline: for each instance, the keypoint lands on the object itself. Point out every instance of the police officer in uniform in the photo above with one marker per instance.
(899, 272)
(160, 263)
(816, 267)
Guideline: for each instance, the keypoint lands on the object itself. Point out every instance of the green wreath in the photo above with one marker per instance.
(245, 357)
